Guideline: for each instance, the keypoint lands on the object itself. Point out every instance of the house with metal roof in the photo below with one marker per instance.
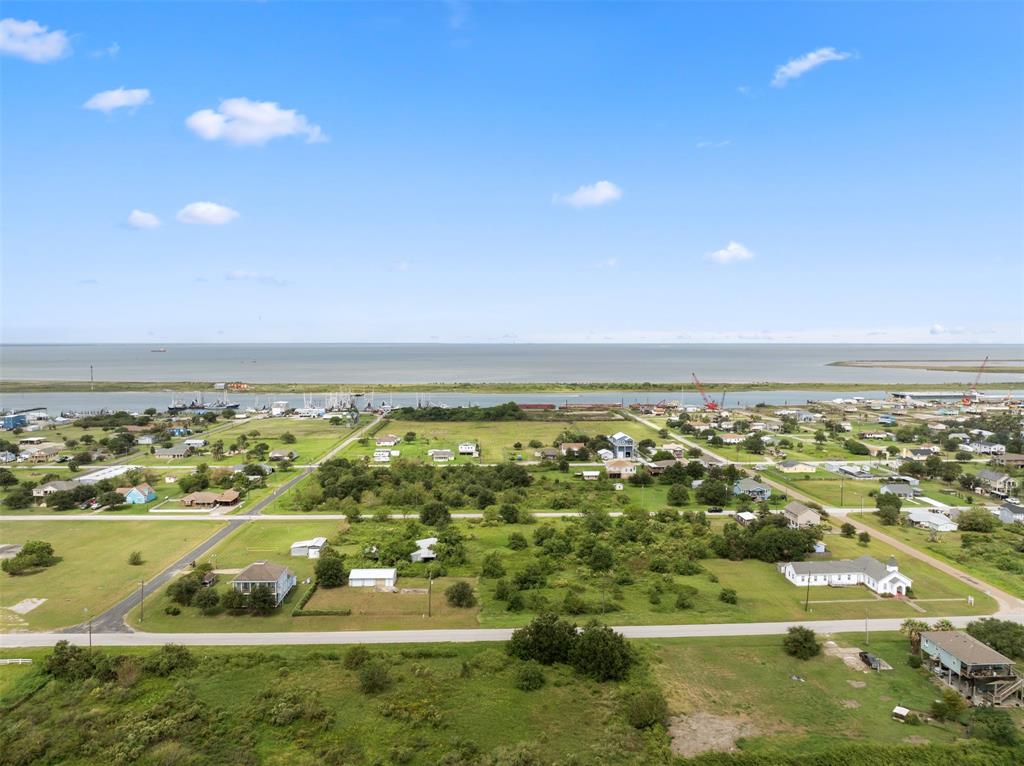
(975, 669)
(937, 522)
(278, 579)
(373, 578)
(623, 445)
(902, 491)
(309, 549)
(884, 579)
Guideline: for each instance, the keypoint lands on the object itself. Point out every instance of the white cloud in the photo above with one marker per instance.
(713, 144)
(209, 213)
(31, 41)
(110, 51)
(251, 123)
(798, 67)
(594, 195)
(732, 252)
(140, 219)
(608, 263)
(241, 275)
(938, 329)
(119, 98)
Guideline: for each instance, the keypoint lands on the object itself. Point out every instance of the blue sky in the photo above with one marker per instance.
(512, 171)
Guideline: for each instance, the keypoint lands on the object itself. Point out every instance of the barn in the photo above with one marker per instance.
(372, 578)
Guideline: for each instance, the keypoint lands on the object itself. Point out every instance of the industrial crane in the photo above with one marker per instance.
(709, 404)
(972, 397)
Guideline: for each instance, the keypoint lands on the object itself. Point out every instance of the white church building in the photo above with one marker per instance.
(884, 579)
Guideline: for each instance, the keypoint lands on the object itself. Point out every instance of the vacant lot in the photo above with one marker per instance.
(94, 571)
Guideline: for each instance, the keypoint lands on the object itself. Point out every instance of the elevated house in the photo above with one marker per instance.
(1009, 459)
(976, 670)
(622, 445)
(884, 579)
(996, 482)
(278, 579)
(469, 448)
(620, 469)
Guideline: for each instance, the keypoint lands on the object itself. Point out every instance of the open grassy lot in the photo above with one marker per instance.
(993, 557)
(94, 571)
(630, 593)
(831, 489)
(495, 439)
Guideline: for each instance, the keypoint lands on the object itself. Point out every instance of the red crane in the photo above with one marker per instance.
(972, 397)
(708, 403)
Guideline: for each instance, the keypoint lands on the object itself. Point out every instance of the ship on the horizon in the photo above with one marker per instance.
(158, 351)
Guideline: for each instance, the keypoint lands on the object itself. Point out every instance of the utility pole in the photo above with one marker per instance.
(142, 600)
(430, 594)
(807, 598)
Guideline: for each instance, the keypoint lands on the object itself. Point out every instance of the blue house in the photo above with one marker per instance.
(752, 489)
(10, 422)
(262, 574)
(887, 420)
(138, 495)
(179, 431)
(623, 445)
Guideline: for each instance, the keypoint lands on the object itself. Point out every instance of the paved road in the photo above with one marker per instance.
(113, 619)
(444, 636)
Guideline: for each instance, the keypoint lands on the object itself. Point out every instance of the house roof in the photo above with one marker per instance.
(965, 647)
(59, 485)
(799, 511)
(745, 485)
(869, 565)
(898, 489)
(373, 574)
(261, 571)
(619, 463)
(992, 475)
(928, 517)
(619, 436)
(315, 542)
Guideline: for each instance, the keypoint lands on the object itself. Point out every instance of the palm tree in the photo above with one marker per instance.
(913, 629)
(943, 624)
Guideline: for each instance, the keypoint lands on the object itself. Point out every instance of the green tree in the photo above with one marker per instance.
(800, 642)
(262, 600)
(546, 639)
(288, 437)
(330, 570)
(135, 558)
(206, 600)
(847, 529)
(435, 514)
(863, 538)
(678, 495)
(460, 595)
(517, 541)
(1005, 636)
(600, 653)
(994, 725)
(601, 558)
(7, 478)
(492, 565)
(949, 706)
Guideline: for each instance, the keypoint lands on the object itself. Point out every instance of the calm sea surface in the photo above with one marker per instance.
(487, 363)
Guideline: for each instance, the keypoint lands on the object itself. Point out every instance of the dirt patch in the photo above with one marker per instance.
(850, 704)
(27, 605)
(702, 732)
(857, 684)
(849, 655)
(915, 739)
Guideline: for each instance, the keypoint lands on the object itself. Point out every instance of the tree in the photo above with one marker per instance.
(19, 497)
(34, 555)
(374, 677)
(847, 530)
(863, 538)
(601, 558)
(206, 600)
(976, 520)
(492, 565)
(410, 436)
(330, 570)
(509, 513)
(110, 499)
(460, 595)
(435, 514)
(994, 725)
(713, 492)
(949, 706)
(800, 642)
(1004, 636)
(262, 600)
(7, 478)
(600, 653)
(547, 639)
(912, 629)
(233, 600)
(678, 495)
(820, 436)
(288, 438)
(516, 541)
(135, 558)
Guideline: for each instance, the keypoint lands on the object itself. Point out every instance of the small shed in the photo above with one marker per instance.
(373, 578)
(309, 549)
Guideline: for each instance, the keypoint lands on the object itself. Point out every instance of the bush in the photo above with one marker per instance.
(172, 610)
(206, 600)
(135, 558)
(601, 653)
(435, 515)
(374, 677)
(34, 555)
(547, 639)
(914, 660)
(727, 595)
(330, 571)
(645, 708)
(492, 565)
(684, 601)
(460, 595)
(356, 657)
(517, 542)
(949, 706)
(994, 725)
(168, 659)
(800, 642)
(529, 677)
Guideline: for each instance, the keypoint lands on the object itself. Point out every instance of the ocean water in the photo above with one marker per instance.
(365, 364)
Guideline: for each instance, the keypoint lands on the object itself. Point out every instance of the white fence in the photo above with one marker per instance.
(17, 661)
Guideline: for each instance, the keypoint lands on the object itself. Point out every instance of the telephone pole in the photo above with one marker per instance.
(142, 600)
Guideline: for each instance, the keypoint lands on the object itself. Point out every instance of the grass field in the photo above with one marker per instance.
(495, 439)
(94, 572)
(947, 547)
(764, 595)
(830, 489)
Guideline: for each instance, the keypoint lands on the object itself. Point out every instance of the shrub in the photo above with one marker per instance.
(34, 554)
(547, 639)
(374, 677)
(727, 595)
(168, 659)
(601, 653)
(688, 567)
(800, 642)
(172, 610)
(517, 542)
(460, 595)
(435, 515)
(684, 601)
(135, 558)
(994, 725)
(206, 600)
(645, 708)
(356, 657)
(492, 565)
(914, 660)
(949, 706)
(529, 677)
(330, 571)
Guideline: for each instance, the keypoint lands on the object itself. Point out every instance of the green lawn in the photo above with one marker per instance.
(831, 490)
(983, 560)
(94, 571)
(495, 439)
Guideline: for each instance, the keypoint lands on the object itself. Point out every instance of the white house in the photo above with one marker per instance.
(441, 455)
(620, 469)
(381, 455)
(605, 455)
(372, 578)
(590, 475)
(424, 550)
(937, 522)
(799, 515)
(469, 448)
(387, 440)
(309, 549)
(1011, 513)
(195, 443)
(867, 571)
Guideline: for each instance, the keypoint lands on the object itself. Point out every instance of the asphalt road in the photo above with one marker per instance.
(464, 635)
